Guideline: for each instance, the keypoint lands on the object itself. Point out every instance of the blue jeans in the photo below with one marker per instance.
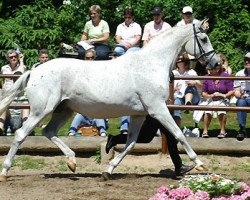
(242, 115)
(196, 96)
(125, 120)
(120, 50)
(177, 113)
(102, 52)
(80, 119)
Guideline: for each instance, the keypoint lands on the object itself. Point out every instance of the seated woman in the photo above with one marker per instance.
(81, 120)
(128, 34)
(96, 33)
(185, 92)
(217, 93)
(15, 66)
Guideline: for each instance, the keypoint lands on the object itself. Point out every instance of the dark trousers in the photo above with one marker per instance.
(102, 52)
(148, 132)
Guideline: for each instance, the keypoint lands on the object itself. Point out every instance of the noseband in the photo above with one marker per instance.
(203, 54)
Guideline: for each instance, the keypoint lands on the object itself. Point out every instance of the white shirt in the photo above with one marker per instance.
(152, 29)
(180, 93)
(243, 84)
(128, 33)
(8, 82)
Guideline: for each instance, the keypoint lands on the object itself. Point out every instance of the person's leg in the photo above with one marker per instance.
(102, 51)
(222, 119)
(207, 120)
(81, 53)
(242, 116)
(119, 51)
(77, 121)
(133, 49)
(125, 120)
(177, 113)
(101, 125)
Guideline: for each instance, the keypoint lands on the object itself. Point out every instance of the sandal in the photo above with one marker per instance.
(221, 135)
(205, 135)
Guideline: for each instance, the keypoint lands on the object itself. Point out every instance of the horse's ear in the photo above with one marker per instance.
(204, 25)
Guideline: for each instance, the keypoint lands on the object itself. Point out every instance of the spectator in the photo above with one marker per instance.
(242, 93)
(43, 57)
(15, 66)
(156, 26)
(96, 33)
(187, 17)
(224, 64)
(185, 92)
(217, 93)
(128, 34)
(90, 55)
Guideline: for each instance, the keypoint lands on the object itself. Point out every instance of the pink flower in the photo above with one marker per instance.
(180, 193)
(244, 186)
(163, 189)
(246, 195)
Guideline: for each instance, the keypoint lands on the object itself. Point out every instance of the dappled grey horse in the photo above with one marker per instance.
(135, 84)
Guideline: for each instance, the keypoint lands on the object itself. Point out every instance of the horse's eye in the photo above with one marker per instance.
(203, 37)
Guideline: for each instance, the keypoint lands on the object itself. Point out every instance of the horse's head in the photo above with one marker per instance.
(200, 46)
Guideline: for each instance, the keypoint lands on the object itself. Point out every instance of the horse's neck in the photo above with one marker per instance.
(168, 45)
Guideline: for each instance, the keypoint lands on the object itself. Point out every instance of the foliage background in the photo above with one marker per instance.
(36, 24)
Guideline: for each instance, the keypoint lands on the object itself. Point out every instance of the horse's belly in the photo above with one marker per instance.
(104, 110)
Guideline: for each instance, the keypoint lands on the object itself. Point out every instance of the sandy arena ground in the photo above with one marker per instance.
(136, 178)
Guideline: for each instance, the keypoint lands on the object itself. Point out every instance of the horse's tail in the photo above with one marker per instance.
(9, 95)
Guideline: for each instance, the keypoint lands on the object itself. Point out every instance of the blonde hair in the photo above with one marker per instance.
(96, 8)
(223, 58)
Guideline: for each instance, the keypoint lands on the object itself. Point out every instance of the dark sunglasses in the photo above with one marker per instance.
(11, 57)
(89, 58)
(127, 17)
(187, 13)
(247, 59)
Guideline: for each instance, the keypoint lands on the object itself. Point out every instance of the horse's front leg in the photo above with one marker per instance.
(133, 132)
(159, 111)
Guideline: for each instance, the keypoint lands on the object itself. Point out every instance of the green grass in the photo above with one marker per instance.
(214, 128)
(27, 162)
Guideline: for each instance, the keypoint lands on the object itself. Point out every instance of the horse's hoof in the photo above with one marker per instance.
(106, 176)
(72, 166)
(3, 178)
(200, 168)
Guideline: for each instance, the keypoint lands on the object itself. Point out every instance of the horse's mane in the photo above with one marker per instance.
(167, 35)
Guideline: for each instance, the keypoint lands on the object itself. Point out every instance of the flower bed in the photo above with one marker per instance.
(204, 187)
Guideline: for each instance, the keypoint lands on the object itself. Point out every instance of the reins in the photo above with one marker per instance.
(202, 52)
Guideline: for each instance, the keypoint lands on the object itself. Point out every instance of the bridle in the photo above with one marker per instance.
(203, 54)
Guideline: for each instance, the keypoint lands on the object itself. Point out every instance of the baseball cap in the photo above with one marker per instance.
(247, 55)
(187, 9)
(157, 11)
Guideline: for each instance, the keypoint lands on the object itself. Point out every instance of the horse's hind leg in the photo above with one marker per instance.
(59, 117)
(133, 132)
(20, 136)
